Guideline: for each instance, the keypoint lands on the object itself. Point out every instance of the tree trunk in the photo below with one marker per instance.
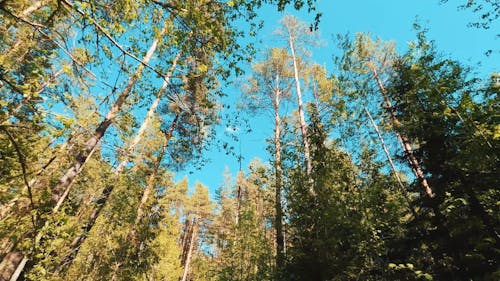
(186, 236)
(405, 142)
(280, 257)
(152, 177)
(147, 191)
(238, 204)
(391, 163)
(189, 254)
(149, 117)
(91, 143)
(35, 183)
(13, 267)
(5, 210)
(35, 6)
(302, 120)
(9, 264)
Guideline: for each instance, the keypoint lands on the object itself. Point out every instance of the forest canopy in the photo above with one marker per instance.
(380, 164)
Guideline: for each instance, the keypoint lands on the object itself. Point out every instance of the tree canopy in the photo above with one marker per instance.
(382, 164)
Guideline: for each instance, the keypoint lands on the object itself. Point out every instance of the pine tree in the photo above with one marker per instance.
(271, 84)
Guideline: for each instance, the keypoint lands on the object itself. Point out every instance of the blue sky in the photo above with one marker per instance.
(387, 19)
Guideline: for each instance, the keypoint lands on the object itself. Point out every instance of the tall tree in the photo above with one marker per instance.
(298, 34)
(199, 211)
(270, 84)
(245, 249)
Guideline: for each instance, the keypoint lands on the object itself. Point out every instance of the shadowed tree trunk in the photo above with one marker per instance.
(188, 248)
(391, 163)
(405, 142)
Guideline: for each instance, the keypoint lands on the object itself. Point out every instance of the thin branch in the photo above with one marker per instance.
(111, 39)
(168, 6)
(67, 52)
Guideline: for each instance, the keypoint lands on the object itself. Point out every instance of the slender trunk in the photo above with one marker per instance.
(91, 143)
(391, 163)
(9, 264)
(238, 204)
(152, 177)
(6, 209)
(147, 191)
(27, 12)
(19, 269)
(35, 6)
(6, 247)
(149, 116)
(186, 236)
(405, 142)
(302, 120)
(189, 253)
(280, 257)
(24, 15)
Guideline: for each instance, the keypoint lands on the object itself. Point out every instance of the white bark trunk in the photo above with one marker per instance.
(302, 120)
(280, 257)
(36, 5)
(149, 116)
(391, 163)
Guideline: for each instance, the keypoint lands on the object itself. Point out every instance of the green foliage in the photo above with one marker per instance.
(344, 233)
(360, 224)
(444, 112)
(244, 246)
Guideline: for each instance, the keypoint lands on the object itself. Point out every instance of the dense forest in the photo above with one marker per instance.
(382, 165)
